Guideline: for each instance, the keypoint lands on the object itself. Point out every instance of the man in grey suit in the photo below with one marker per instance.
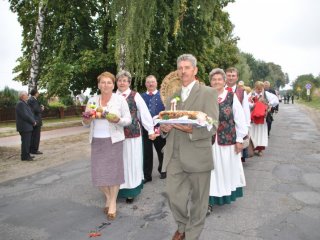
(188, 158)
(25, 122)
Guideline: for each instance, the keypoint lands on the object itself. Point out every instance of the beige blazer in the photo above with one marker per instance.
(195, 150)
(118, 106)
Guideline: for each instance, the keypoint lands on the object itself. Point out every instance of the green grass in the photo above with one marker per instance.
(315, 103)
(9, 128)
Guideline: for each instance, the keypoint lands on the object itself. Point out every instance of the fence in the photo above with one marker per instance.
(8, 114)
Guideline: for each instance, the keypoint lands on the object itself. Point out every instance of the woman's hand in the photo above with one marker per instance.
(166, 128)
(238, 147)
(87, 121)
(153, 136)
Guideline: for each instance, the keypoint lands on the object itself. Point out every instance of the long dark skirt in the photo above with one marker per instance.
(106, 162)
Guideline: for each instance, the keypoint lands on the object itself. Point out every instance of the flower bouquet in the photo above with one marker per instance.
(98, 113)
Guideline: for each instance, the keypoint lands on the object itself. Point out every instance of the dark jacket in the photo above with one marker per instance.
(36, 109)
(24, 117)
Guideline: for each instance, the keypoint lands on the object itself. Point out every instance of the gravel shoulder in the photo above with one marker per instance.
(56, 151)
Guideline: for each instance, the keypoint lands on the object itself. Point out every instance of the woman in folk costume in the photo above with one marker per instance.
(132, 147)
(260, 102)
(227, 177)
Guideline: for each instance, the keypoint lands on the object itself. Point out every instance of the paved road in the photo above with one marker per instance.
(281, 200)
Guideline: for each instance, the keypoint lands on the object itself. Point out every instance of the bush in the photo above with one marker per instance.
(57, 105)
(8, 98)
(67, 100)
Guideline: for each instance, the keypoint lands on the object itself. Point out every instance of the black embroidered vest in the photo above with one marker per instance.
(133, 130)
(227, 128)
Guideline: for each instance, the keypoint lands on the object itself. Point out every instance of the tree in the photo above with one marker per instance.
(276, 77)
(36, 47)
(244, 70)
(82, 38)
(299, 85)
(8, 97)
(262, 71)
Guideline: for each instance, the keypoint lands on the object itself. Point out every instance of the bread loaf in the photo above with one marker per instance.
(178, 114)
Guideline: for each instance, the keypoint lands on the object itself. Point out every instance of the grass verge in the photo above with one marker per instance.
(9, 128)
(315, 103)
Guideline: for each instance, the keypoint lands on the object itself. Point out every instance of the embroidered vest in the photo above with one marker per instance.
(227, 128)
(240, 94)
(133, 130)
(154, 103)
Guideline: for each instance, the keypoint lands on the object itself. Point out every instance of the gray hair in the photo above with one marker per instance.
(217, 71)
(21, 93)
(124, 73)
(187, 57)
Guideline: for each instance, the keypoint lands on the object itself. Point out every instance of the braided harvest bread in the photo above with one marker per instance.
(178, 114)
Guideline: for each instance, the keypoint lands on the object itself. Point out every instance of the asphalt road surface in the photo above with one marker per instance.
(281, 199)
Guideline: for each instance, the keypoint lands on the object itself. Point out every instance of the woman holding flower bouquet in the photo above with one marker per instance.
(227, 177)
(107, 114)
(132, 147)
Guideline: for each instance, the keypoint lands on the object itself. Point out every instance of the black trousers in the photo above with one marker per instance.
(158, 143)
(35, 139)
(25, 144)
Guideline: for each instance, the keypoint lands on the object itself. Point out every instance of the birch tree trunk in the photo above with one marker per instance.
(36, 47)
(122, 60)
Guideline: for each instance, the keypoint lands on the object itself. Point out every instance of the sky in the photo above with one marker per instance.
(285, 32)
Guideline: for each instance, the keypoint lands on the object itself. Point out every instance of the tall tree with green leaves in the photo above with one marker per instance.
(82, 38)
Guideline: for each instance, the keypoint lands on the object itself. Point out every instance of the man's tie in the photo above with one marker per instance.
(150, 94)
(229, 89)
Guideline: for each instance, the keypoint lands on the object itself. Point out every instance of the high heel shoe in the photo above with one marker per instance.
(111, 216)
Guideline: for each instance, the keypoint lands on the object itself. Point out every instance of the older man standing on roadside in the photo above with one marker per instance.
(25, 122)
(188, 158)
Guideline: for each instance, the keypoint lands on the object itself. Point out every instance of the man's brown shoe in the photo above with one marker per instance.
(178, 236)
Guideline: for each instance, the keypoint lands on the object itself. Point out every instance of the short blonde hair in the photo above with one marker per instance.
(106, 75)
(258, 84)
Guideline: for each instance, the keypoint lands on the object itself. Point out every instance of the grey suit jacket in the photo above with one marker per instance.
(195, 150)
(24, 117)
(36, 109)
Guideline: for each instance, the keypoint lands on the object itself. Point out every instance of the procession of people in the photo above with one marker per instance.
(202, 165)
